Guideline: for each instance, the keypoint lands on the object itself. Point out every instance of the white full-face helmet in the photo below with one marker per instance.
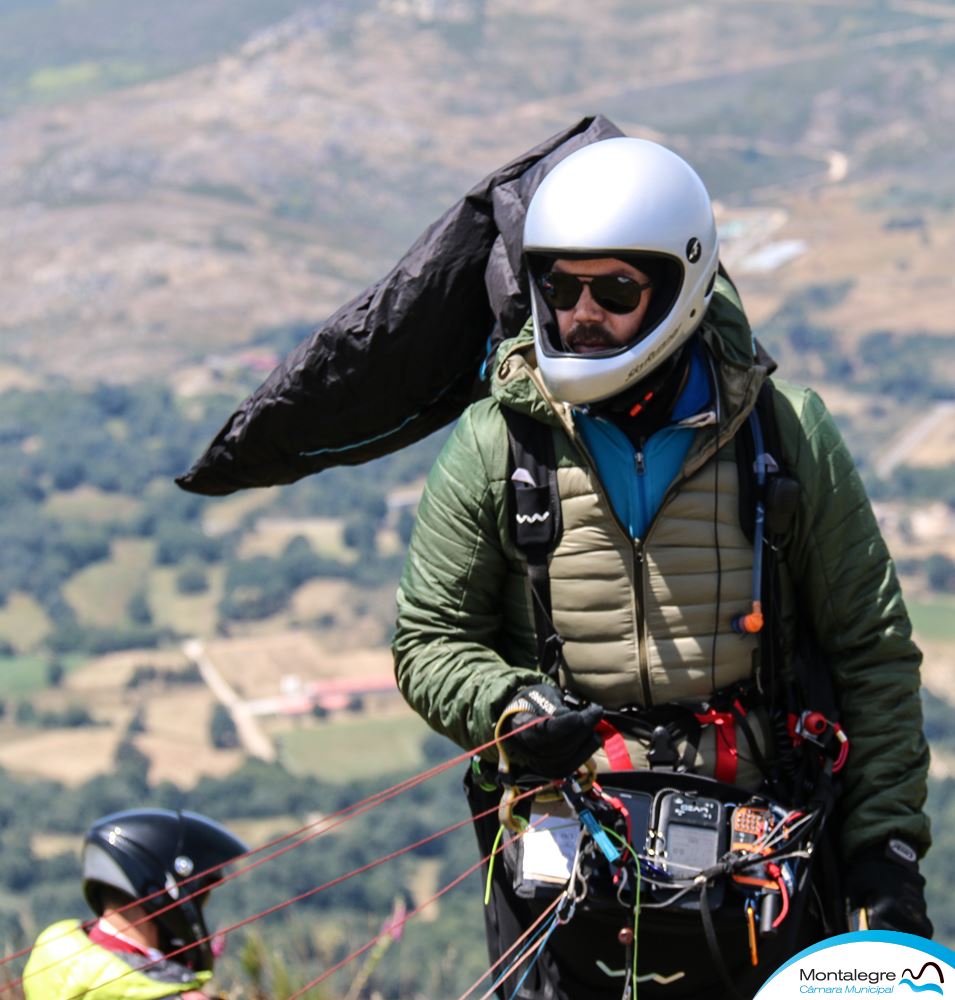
(637, 201)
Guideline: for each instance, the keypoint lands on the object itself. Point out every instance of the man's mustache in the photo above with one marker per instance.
(590, 335)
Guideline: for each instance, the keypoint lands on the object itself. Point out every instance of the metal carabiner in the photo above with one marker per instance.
(565, 909)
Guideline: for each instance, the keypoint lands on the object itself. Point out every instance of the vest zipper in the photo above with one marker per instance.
(640, 466)
(641, 624)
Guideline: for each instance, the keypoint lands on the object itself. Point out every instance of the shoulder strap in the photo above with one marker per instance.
(780, 492)
(534, 504)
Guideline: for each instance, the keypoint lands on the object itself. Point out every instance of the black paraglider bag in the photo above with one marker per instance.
(403, 358)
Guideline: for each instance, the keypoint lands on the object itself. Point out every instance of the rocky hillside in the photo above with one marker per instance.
(145, 226)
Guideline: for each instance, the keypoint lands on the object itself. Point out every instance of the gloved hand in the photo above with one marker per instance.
(556, 747)
(885, 881)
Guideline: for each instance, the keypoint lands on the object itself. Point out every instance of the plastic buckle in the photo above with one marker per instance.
(662, 752)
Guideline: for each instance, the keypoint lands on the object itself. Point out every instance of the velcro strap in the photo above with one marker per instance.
(726, 752)
(615, 746)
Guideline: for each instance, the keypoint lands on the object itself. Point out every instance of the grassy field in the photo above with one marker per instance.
(934, 620)
(227, 513)
(23, 622)
(68, 755)
(109, 673)
(100, 593)
(272, 534)
(361, 747)
(187, 614)
(89, 504)
(21, 676)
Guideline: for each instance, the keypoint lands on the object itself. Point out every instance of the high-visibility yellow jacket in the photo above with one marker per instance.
(65, 964)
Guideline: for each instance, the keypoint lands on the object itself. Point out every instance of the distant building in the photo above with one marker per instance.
(437, 11)
(332, 695)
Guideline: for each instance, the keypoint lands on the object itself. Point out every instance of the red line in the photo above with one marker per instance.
(284, 905)
(370, 944)
(335, 881)
(342, 815)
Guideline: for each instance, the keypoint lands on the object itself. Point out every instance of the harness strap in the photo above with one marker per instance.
(615, 746)
(536, 522)
(727, 754)
(713, 945)
(757, 756)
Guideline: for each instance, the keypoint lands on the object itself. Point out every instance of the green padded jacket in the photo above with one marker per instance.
(465, 638)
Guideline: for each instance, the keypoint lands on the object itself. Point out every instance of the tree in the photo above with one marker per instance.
(940, 570)
(132, 765)
(26, 714)
(137, 607)
(222, 731)
(137, 724)
(360, 534)
(192, 580)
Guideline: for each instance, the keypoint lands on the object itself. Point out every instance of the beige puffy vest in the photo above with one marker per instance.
(647, 622)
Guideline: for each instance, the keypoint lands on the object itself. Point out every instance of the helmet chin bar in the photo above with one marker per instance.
(655, 382)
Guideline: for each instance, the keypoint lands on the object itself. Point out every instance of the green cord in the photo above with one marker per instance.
(636, 907)
(490, 865)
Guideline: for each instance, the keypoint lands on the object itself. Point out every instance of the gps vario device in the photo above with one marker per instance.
(689, 835)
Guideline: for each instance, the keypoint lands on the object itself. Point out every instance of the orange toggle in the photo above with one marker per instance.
(751, 929)
(751, 623)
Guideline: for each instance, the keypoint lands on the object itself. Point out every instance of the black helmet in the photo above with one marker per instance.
(144, 851)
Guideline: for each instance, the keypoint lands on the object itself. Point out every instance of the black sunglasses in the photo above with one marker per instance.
(614, 292)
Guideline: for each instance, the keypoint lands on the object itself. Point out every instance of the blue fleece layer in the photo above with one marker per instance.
(636, 483)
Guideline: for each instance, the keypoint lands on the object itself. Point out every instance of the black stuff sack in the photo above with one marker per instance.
(402, 359)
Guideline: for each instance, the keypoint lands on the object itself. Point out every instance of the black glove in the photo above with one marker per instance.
(556, 747)
(885, 881)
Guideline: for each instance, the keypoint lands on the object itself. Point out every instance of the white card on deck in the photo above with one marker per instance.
(549, 847)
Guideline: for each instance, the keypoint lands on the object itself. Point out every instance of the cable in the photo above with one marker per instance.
(370, 944)
(716, 544)
(311, 892)
(533, 933)
(305, 895)
(536, 958)
(636, 900)
(490, 867)
(343, 816)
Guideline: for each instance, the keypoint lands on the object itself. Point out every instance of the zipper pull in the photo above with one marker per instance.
(638, 458)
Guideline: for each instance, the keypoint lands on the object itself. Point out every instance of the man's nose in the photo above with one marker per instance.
(586, 310)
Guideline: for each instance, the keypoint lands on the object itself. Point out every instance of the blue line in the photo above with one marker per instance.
(394, 430)
(516, 962)
(533, 961)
